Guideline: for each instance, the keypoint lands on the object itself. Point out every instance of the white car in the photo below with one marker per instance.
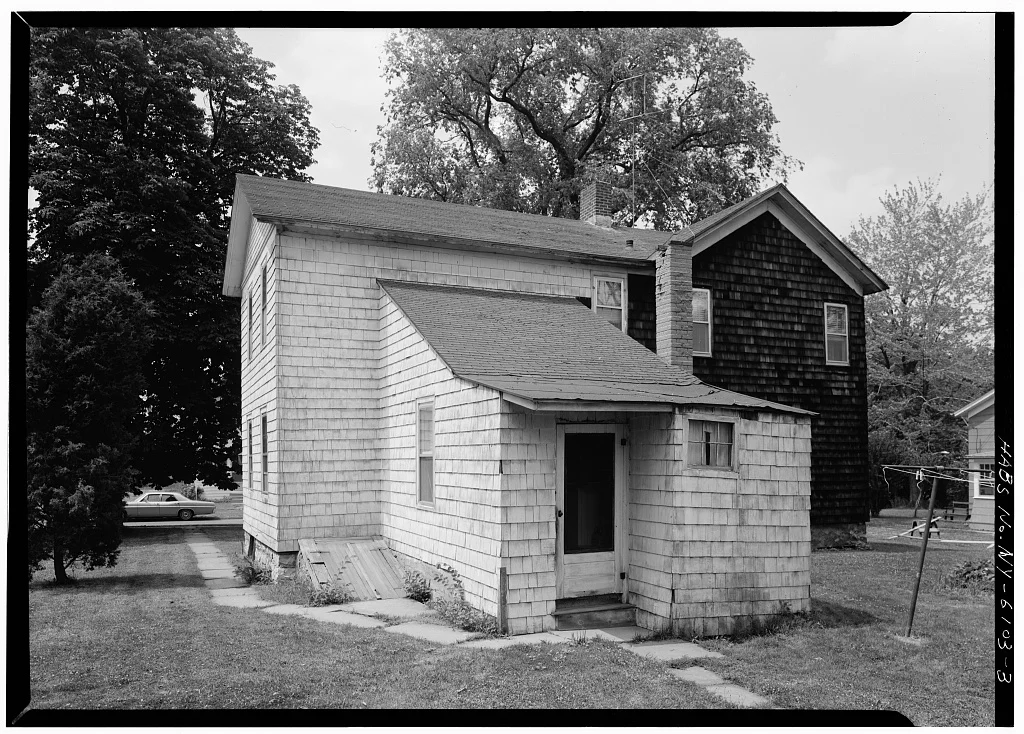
(166, 504)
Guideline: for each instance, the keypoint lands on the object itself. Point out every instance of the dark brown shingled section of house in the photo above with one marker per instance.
(768, 295)
(296, 201)
(548, 348)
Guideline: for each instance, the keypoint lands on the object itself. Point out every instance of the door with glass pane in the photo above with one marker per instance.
(590, 548)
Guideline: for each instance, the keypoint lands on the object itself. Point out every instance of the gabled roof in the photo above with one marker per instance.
(780, 202)
(977, 405)
(547, 351)
(298, 204)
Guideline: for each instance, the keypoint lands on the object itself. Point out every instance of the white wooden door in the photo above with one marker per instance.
(590, 552)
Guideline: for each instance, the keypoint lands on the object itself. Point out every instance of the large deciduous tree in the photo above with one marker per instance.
(515, 118)
(930, 337)
(84, 383)
(135, 139)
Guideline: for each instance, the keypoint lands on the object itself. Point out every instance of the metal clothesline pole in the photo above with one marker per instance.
(924, 547)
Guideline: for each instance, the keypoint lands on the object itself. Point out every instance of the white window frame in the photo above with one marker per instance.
(622, 281)
(420, 454)
(733, 454)
(252, 477)
(846, 320)
(977, 475)
(263, 307)
(250, 325)
(695, 322)
(264, 451)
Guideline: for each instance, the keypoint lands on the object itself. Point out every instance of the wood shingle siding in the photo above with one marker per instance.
(329, 364)
(710, 547)
(768, 292)
(259, 375)
(642, 317)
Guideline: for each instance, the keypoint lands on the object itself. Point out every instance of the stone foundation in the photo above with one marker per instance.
(281, 565)
(846, 535)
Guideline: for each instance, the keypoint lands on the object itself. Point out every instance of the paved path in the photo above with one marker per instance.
(226, 590)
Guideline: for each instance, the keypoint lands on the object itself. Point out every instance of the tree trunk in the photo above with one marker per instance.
(60, 573)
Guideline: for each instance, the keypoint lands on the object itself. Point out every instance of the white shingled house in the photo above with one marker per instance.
(459, 383)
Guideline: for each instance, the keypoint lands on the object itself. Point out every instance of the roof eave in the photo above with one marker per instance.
(306, 226)
(977, 405)
(238, 240)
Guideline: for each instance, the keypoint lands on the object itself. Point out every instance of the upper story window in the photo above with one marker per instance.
(837, 340)
(425, 451)
(250, 324)
(702, 322)
(710, 444)
(263, 307)
(610, 300)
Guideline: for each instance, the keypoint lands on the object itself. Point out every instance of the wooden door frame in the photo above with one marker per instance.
(621, 497)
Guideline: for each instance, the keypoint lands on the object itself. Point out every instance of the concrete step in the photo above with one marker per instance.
(593, 613)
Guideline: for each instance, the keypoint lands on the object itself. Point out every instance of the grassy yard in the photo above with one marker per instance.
(145, 635)
(847, 655)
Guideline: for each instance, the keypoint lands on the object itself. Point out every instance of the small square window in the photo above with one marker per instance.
(610, 300)
(837, 346)
(425, 451)
(710, 444)
(702, 322)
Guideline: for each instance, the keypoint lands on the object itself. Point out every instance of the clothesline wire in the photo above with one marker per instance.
(928, 473)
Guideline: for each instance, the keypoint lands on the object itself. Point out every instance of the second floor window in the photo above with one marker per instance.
(263, 309)
(837, 344)
(610, 300)
(702, 322)
(250, 325)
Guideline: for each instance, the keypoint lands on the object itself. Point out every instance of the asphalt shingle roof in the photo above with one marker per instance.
(548, 348)
(296, 201)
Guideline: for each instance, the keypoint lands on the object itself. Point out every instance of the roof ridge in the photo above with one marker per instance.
(415, 200)
(475, 289)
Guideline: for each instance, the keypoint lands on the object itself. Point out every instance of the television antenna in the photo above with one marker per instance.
(633, 118)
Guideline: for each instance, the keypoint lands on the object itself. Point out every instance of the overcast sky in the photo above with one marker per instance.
(864, 109)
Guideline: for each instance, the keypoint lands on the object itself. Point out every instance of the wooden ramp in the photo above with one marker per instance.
(364, 566)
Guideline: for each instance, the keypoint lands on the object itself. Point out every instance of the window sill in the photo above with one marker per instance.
(702, 354)
(836, 364)
(420, 504)
(714, 472)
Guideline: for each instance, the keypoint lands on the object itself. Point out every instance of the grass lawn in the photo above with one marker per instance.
(846, 655)
(146, 635)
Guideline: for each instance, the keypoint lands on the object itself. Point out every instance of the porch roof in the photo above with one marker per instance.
(549, 352)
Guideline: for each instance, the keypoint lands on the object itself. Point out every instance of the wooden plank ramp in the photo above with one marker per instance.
(365, 566)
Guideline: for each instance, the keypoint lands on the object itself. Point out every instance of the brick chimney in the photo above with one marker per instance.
(674, 304)
(596, 203)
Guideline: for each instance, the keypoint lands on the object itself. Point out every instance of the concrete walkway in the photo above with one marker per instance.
(416, 620)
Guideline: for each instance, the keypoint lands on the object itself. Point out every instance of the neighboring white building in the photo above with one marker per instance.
(980, 417)
(425, 372)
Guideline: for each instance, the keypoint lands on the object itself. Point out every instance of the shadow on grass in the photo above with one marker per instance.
(830, 614)
(889, 547)
(130, 582)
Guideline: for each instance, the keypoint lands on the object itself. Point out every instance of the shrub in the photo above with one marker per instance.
(322, 596)
(251, 573)
(453, 607)
(975, 577)
(417, 586)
